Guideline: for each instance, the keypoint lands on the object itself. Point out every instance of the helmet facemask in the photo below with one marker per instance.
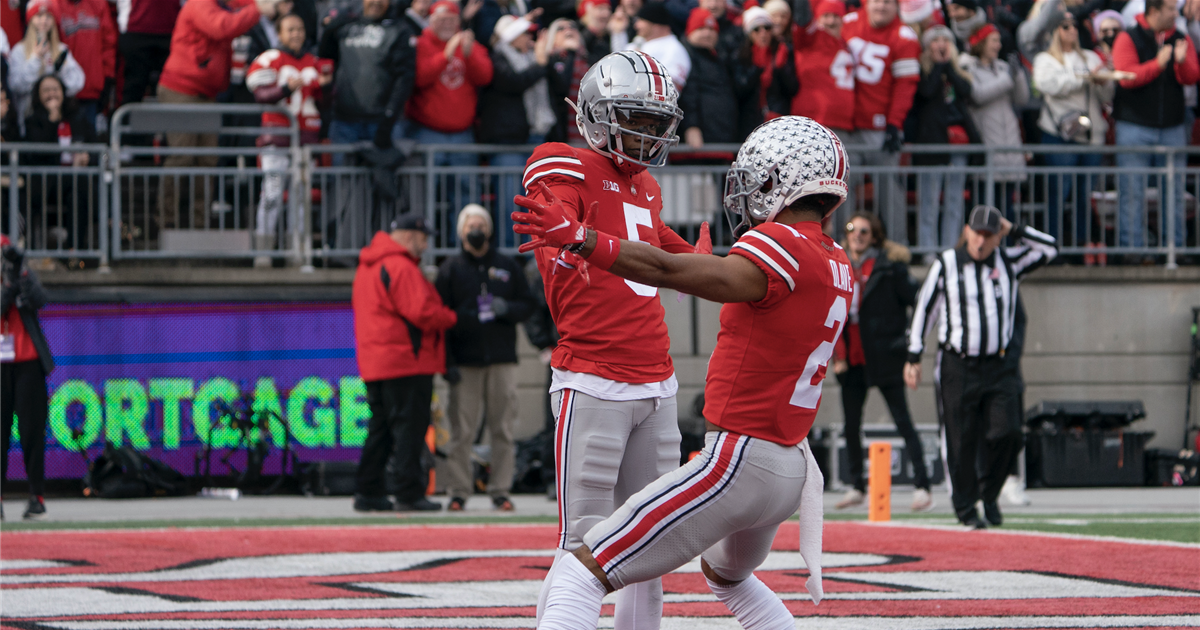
(635, 135)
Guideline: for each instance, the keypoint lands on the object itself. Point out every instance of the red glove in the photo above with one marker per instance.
(704, 241)
(550, 224)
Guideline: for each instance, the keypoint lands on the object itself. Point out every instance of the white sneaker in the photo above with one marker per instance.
(922, 500)
(1013, 492)
(853, 497)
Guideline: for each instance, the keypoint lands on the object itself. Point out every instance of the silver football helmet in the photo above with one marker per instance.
(781, 161)
(623, 87)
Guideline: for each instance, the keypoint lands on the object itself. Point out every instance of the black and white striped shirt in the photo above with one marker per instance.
(974, 303)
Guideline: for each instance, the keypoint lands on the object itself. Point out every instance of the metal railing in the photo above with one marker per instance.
(335, 197)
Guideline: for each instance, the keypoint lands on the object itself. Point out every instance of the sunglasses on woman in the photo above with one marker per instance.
(1066, 26)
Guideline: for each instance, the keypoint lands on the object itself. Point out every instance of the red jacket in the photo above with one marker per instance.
(825, 68)
(1125, 57)
(87, 28)
(399, 319)
(201, 47)
(445, 93)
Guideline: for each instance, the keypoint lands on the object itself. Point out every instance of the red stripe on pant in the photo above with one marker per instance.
(560, 457)
(684, 496)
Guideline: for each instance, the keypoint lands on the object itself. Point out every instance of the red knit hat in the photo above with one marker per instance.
(37, 6)
(701, 18)
(981, 34)
(583, 6)
(444, 5)
(830, 6)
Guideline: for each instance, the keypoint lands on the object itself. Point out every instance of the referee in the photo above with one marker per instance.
(971, 292)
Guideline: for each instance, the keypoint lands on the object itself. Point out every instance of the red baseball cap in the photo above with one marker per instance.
(583, 6)
(830, 6)
(37, 6)
(701, 18)
(444, 5)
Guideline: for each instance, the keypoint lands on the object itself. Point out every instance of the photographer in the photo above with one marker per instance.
(25, 362)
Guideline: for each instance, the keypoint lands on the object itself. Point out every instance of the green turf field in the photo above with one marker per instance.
(1175, 527)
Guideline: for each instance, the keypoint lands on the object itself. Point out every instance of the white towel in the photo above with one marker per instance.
(812, 519)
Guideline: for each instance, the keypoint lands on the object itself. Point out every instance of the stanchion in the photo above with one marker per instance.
(879, 490)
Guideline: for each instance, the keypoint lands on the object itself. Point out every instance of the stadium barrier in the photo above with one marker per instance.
(330, 199)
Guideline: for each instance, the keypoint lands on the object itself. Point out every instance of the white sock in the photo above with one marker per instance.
(754, 605)
(639, 606)
(574, 599)
(541, 606)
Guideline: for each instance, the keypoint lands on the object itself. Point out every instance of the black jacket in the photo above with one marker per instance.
(597, 45)
(708, 100)
(461, 280)
(747, 79)
(502, 116)
(39, 128)
(883, 316)
(1158, 104)
(941, 101)
(375, 67)
(25, 292)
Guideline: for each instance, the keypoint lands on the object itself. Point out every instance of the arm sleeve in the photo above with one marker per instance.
(509, 81)
(220, 24)
(521, 304)
(329, 48)
(108, 32)
(72, 75)
(906, 285)
(1032, 30)
(1052, 78)
(689, 102)
(417, 301)
(988, 87)
(1033, 249)
(670, 241)
(479, 66)
(1188, 72)
(22, 72)
(31, 288)
(430, 66)
(402, 60)
(1125, 58)
(904, 86)
(1021, 91)
(928, 302)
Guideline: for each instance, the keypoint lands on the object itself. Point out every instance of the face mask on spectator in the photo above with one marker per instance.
(476, 238)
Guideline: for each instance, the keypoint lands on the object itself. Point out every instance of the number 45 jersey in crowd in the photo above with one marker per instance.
(610, 327)
(765, 376)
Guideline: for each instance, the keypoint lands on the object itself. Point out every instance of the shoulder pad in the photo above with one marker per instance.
(555, 162)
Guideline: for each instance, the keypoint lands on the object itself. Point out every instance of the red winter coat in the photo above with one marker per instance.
(87, 28)
(400, 321)
(201, 47)
(445, 93)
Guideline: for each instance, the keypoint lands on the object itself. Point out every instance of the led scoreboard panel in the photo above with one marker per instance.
(157, 376)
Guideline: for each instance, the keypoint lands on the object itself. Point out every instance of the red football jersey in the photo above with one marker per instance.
(612, 328)
(276, 67)
(764, 378)
(887, 70)
(825, 68)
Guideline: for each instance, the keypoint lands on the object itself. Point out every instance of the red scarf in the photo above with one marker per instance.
(762, 57)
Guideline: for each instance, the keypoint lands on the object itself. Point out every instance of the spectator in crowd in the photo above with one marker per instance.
(568, 64)
(655, 38)
(25, 362)
(259, 39)
(489, 293)
(1074, 86)
(375, 65)
(730, 34)
(515, 107)
(920, 14)
(870, 352)
(709, 100)
(11, 23)
(416, 16)
(939, 116)
(1106, 25)
(885, 81)
(1149, 110)
(620, 25)
(88, 29)
(977, 400)
(825, 69)
(1035, 33)
(41, 53)
(997, 89)
(594, 16)
(400, 325)
(781, 20)
(144, 41)
(9, 131)
(766, 63)
(965, 17)
(292, 78)
(450, 71)
(55, 119)
(556, 9)
(195, 72)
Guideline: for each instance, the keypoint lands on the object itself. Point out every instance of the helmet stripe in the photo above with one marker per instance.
(657, 87)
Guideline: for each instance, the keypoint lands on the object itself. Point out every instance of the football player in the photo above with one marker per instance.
(613, 383)
(786, 288)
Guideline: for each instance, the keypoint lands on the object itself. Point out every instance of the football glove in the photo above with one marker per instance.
(704, 241)
(550, 224)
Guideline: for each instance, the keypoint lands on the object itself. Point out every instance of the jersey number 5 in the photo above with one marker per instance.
(635, 216)
(807, 395)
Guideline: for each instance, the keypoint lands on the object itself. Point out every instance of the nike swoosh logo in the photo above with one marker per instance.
(649, 197)
(560, 226)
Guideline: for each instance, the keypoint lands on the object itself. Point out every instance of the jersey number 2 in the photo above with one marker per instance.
(635, 216)
(806, 395)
